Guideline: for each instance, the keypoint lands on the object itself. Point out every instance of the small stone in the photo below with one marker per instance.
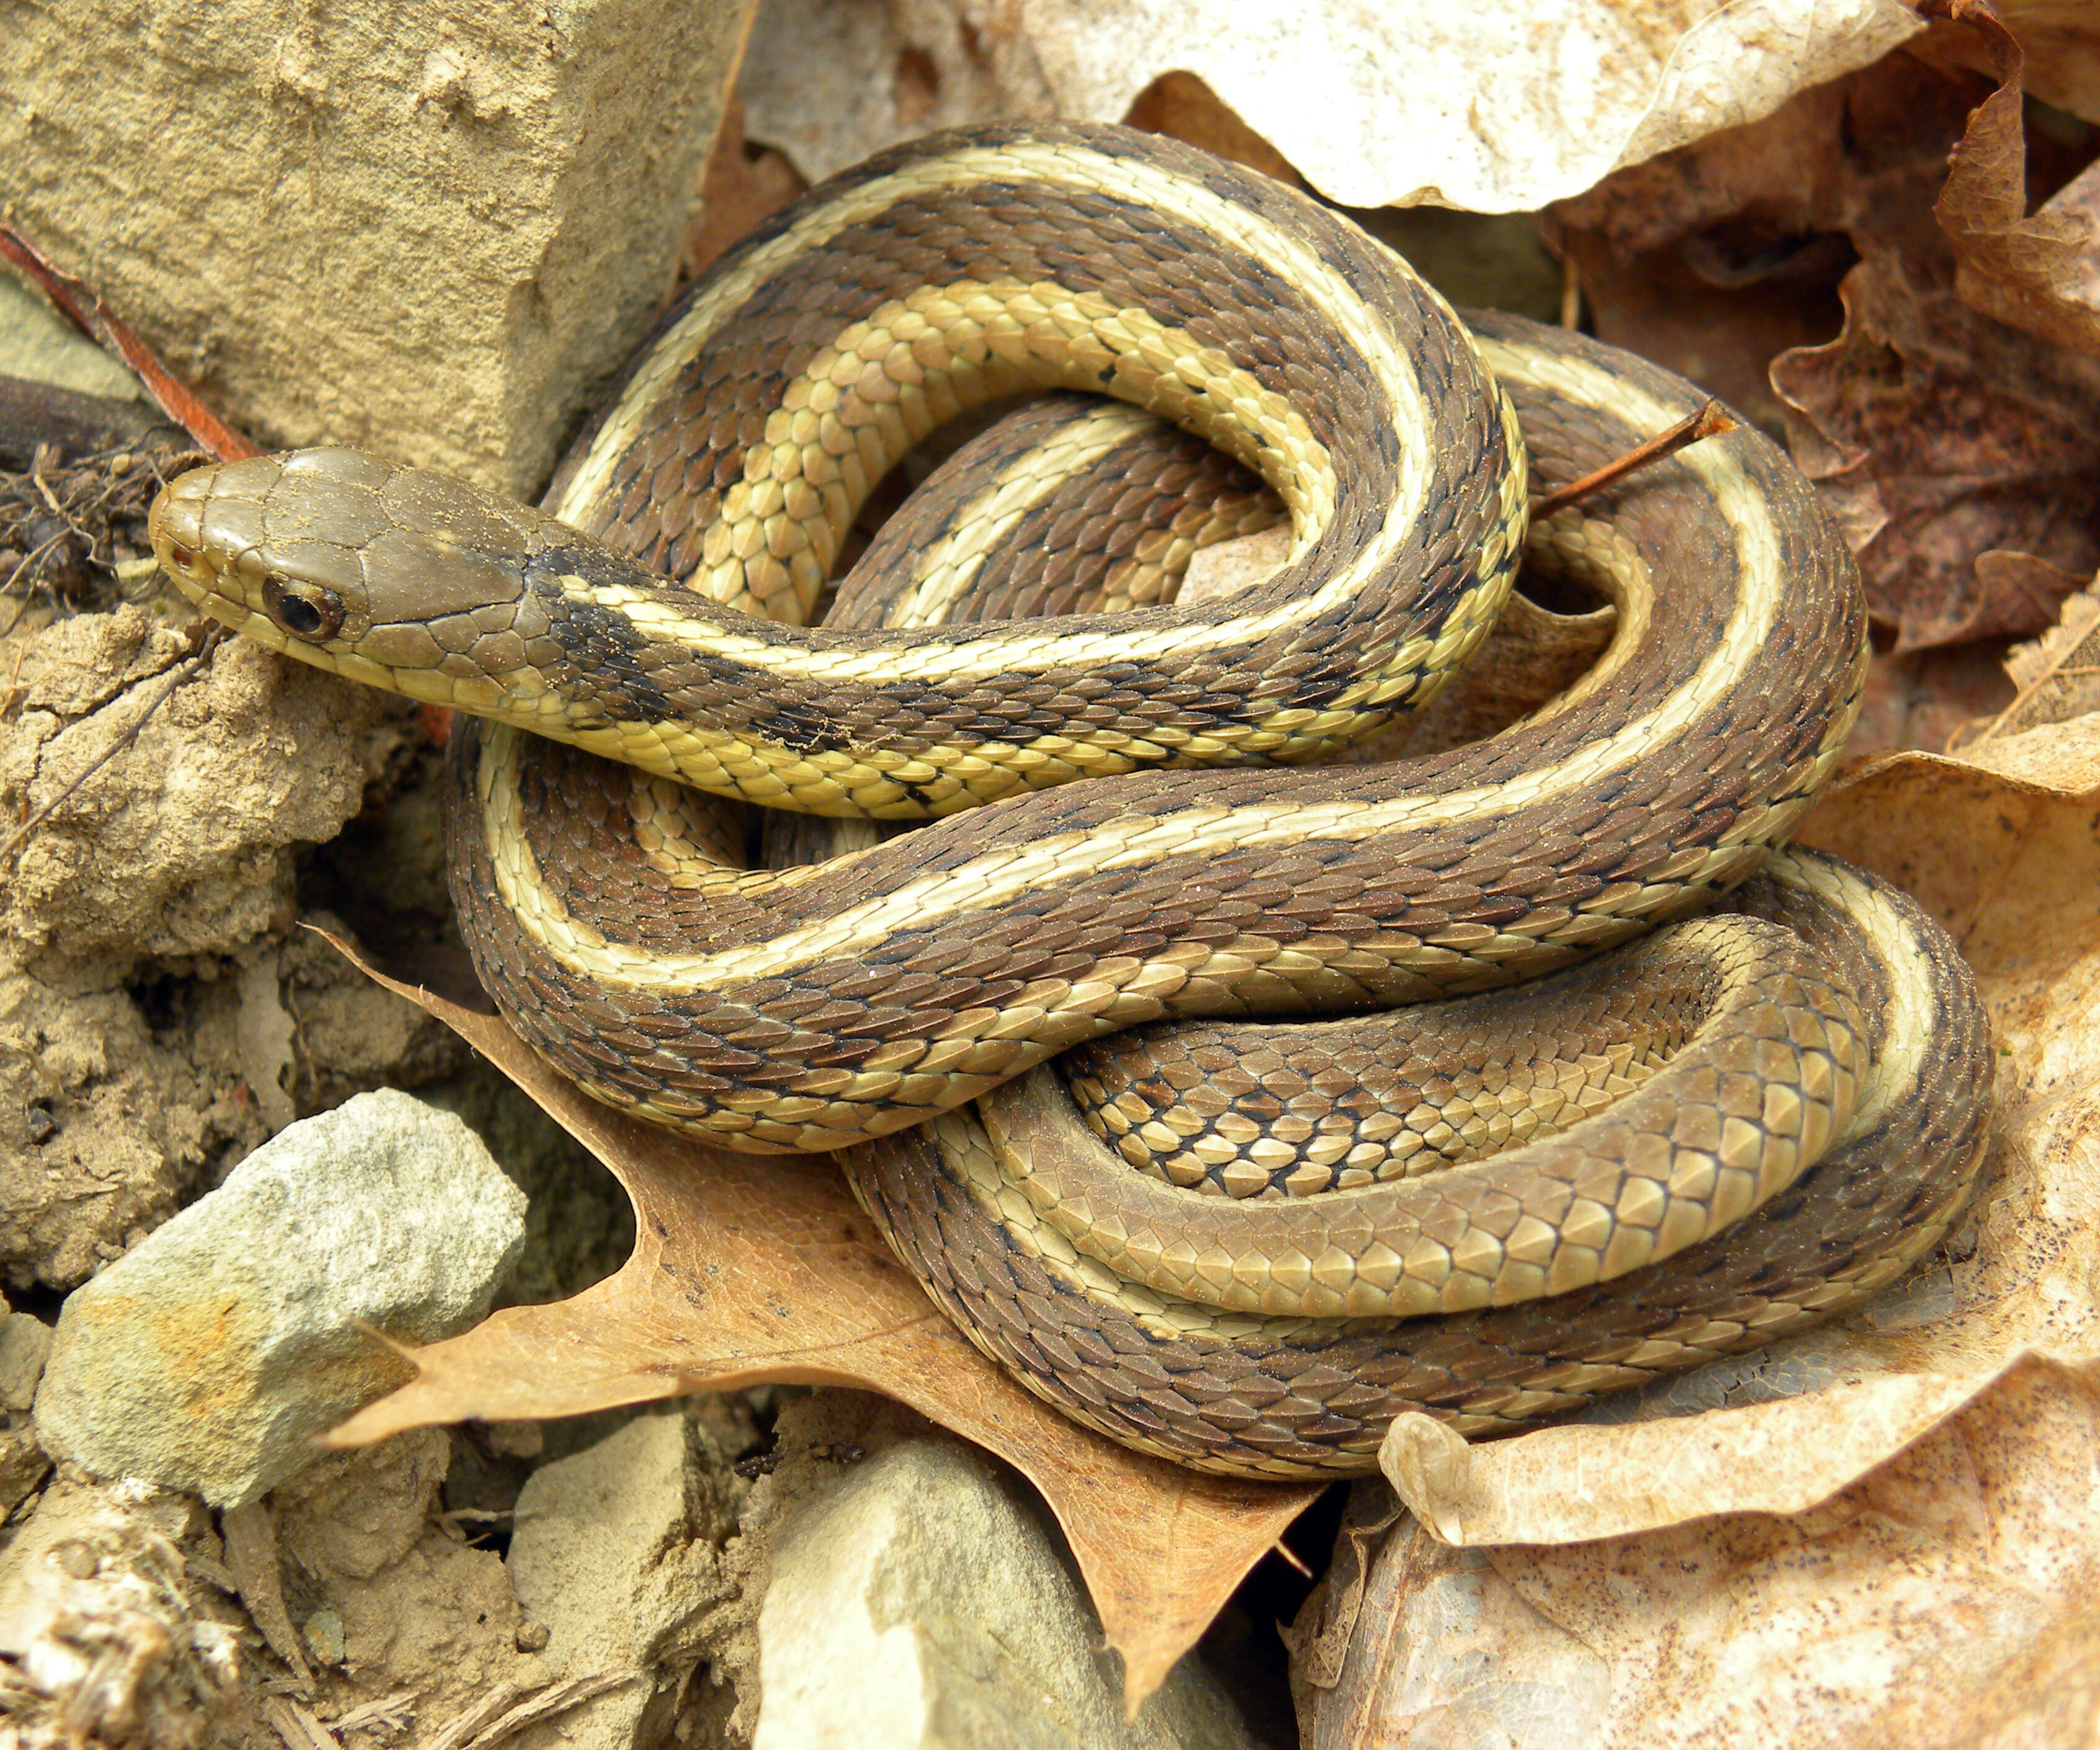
(323, 1633)
(206, 1358)
(532, 1636)
(23, 1468)
(516, 1440)
(615, 1549)
(918, 1605)
(25, 1342)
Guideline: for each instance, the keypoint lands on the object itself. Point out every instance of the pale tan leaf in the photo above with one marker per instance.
(1373, 105)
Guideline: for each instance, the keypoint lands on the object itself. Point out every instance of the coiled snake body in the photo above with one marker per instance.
(1818, 1051)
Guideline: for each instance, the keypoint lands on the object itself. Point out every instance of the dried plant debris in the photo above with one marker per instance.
(72, 532)
(748, 1270)
(1374, 105)
(2057, 677)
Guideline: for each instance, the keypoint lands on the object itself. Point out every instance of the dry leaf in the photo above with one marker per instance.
(1374, 105)
(2062, 49)
(1937, 1604)
(2041, 274)
(747, 1270)
(1927, 699)
(1958, 454)
(1717, 258)
(743, 184)
(1949, 446)
(1880, 1531)
(2057, 677)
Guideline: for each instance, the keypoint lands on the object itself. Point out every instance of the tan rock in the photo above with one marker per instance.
(432, 227)
(181, 841)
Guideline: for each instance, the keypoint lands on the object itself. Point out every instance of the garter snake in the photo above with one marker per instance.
(824, 1007)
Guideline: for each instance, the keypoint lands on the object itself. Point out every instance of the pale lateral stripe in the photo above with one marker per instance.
(1907, 1023)
(971, 656)
(1144, 184)
(1003, 875)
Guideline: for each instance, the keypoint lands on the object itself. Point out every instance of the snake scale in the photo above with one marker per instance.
(1244, 1249)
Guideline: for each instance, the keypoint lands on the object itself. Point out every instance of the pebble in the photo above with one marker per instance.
(920, 1605)
(207, 1357)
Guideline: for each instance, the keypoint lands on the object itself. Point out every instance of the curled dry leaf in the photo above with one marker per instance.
(1880, 1527)
(1374, 105)
(2042, 273)
(1958, 453)
(751, 1269)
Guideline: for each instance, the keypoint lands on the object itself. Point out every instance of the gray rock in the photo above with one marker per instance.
(206, 1358)
(918, 1606)
(613, 1553)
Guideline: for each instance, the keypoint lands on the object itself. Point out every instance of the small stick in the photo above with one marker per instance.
(1711, 420)
(1571, 293)
(87, 312)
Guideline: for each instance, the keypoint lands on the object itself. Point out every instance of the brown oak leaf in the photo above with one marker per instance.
(747, 1270)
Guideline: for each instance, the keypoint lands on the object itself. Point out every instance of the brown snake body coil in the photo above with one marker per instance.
(793, 1009)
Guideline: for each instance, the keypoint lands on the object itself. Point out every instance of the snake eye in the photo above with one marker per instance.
(305, 611)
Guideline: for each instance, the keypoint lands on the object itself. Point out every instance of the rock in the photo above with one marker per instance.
(23, 1466)
(391, 1596)
(614, 1554)
(355, 1515)
(109, 1639)
(182, 843)
(25, 1342)
(36, 342)
(579, 1224)
(152, 1028)
(206, 1357)
(102, 1128)
(919, 1604)
(427, 228)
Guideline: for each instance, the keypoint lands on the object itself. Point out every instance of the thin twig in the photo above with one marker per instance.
(510, 1707)
(86, 311)
(297, 1726)
(175, 677)
(396, 1710)
(1711, 420)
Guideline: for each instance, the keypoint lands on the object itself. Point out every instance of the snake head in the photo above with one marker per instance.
(387, 574)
